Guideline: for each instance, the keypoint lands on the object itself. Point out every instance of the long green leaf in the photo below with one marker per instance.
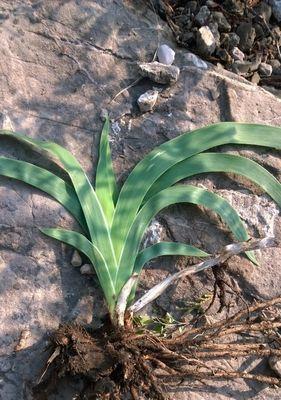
(218, 162)
(82, 244)
(105, 187)
(166, 249)
(170, 153)
(93, 212)
(173, 195)
(46, 181)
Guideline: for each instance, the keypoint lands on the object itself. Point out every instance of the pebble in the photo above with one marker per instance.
(234, 6)
(203, 15)
(147, 100)
(196, 61)
(206, 41)
(276, 66)
(276, 9)
(264, 11)
(237, 54)
(247, 35)
(223, 24)
(255, 79)
(87, 269)
(76, 260)
(265, 69)
(241, 67)
(275, 364)
(165, 54)
(160, 73)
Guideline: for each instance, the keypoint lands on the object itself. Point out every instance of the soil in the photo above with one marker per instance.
(134, 363)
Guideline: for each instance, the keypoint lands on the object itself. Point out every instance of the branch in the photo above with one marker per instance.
(228, 251)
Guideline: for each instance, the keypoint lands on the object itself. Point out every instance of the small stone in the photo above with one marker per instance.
(206, 42)
(247, 36)
(203, 15)
(147, 100)
(276, 9)
(196, 61)
(265, 69)
(234, 6)
(276, 66)
(237, 54)
(229, 40)
(255, 79)
(223, 24)
(76, 260)
(241, 67)
(188, 38)
(191, 6)
(264, 11)
(165, 54)
(223, 55)
(275, 364)
(87, 269)
(160, 73)
(215, 31)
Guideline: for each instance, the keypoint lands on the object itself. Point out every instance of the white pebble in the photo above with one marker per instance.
(147, 100)
(87, 269)
(76, 260)
(165, 54)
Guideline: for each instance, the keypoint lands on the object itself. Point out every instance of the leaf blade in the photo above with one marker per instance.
(105, 186)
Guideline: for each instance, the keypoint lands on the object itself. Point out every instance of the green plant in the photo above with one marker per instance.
(114, 221)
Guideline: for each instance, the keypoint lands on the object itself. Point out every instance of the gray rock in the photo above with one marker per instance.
(229, 40)
(147, 100)
(275, 364)
(76, 260)
(191, 6)
(265, 69)
(264, 10)
(206, 42)
(160, 73)
(165, 54)
(276, 66)
(234, 6)
(203, 15)
(276, 9)
(215, 31)
(195, 61)
(237, 54)
(255, 79)
(87, 269)
(241, 67)
(223, 24)
(247, 35)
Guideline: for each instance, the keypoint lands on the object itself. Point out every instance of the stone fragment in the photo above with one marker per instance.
(265, 69)
(87, 269)
(241, 67)
(276, 9)
(255, 79)
(195, 60)
(147, 100)
(191, 6)
(215, 31)
(223, 24)
(206, 42)
(203, 15)
(76, 260)
(275, 364)
(247, 35)
(276, 66)
(234, 6)
(229, 40)
(237, 54)
(223, 55)
(160, 73)
(165, 54)
(264, 10)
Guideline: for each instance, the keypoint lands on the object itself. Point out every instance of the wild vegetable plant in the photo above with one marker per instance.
(113, 221)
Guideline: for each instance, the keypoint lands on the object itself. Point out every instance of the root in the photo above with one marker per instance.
(118, 365)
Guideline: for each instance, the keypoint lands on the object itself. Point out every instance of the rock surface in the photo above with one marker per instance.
(53, 87)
